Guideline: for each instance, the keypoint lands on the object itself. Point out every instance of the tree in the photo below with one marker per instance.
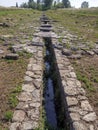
(84, 4)
(47, 4)
(16, 4)
(38, 4)
(66, 3)
(24, 5)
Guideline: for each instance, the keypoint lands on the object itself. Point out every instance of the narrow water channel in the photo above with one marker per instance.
(49, 92)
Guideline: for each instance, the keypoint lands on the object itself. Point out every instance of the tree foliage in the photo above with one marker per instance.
(46, 4)
(84, 4)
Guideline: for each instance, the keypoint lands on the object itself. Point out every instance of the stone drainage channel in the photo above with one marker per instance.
(51, 95)
(49, 90)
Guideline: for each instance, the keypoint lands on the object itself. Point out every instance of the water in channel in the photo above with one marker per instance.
(49, 97)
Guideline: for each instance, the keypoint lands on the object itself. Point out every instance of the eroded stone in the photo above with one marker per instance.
(90, 117)
(18, 116)
(28, 87)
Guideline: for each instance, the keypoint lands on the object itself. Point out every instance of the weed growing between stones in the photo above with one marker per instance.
(13, 101)
(8, 115)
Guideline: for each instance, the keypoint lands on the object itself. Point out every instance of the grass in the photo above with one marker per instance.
(12, 72)
(73, 20)
(8, 115)
(13, 101)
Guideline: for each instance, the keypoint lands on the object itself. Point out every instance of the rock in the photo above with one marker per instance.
(28, 87)
(36, 67)
(1, 51)
(66, 52)
(77, 56)
(74, 116)
(4, 25)
(79, 126)
(15, 126)
(71, 101)
(30, 73)
(37, 104)
(90, 117)
(12, 56)
(34, 114)
(90, 53)
(72, 74)
(96, 51)
(24, 96)
(22, 106)
(74, 48)
(91, 127)
(71, 91)
(29, 125)
(86, 106)
(36, 94)
(27, 79)
(18, 116)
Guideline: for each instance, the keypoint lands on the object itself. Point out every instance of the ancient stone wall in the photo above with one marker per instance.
(27, 113)
(78, 112)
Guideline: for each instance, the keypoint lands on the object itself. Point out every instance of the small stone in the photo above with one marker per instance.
(73, 109)
(29, 125)
(24, 96)
(18, 116)
(71, 101)
(91, 127)
(86, 106)
(28, 87)
(77, 56)
(30, 73)
(71, 90)
(73, 75)
(34, 114)
(28, 79)
(36, 67)
(82, 97)
(81, 91)
(79, 126)
(14, 126)
(90, 53)
(36, 95)
(90, 117)
(66, 52)
(74, 116)
(37, 104)
(82, 113)
(22, 105)
(12, 56)
(1, 51)
(78, 83)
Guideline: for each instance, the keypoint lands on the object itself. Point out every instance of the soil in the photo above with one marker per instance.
(88, 66)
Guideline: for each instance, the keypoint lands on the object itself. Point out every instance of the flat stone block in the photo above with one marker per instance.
(22, 106)
(29, 125)
(30, 73)
(27, 79)
(79, 126)
(14, 126)
(71, 91)
(24, 96)
(36, 67)
(90, 117)
(74, 116)
(28, 87)
(86, 106)
(71, 101)
(18, 116)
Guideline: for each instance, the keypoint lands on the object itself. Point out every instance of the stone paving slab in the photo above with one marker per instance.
(79, 112)
(27, 113)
